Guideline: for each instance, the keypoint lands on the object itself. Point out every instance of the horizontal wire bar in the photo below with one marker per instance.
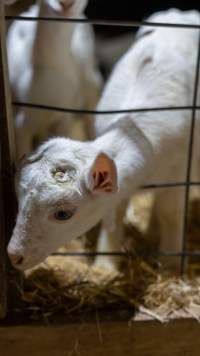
(130, 254)
(101, 22)
(169, 185)
(101, 112)
(69, 110)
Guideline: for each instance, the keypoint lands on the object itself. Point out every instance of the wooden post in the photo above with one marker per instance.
(8, 203)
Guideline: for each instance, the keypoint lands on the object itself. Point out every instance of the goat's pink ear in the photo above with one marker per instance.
(103, 175)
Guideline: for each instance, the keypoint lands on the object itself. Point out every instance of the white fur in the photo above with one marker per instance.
(145, 148)
(54, 64)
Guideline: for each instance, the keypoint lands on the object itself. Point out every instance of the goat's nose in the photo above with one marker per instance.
(66, 4)
(15, 258)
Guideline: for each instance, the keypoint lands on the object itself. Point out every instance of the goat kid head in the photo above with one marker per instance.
(63, 190)
(68, 8)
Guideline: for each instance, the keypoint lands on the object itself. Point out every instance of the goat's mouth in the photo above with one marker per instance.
(29, 265)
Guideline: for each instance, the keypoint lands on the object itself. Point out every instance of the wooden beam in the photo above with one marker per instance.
(149, 338)
(8, 206)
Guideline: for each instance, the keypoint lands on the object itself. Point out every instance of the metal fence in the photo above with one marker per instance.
(6, 145)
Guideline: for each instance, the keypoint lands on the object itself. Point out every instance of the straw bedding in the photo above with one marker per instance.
(73, 285)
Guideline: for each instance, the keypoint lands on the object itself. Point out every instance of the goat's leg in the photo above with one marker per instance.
(110, 239)
(23, 142)
(70, 127)
(23, 134)
(168, 210)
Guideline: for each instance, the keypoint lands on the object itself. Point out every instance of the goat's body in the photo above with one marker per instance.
(158, 71)
(51, 64)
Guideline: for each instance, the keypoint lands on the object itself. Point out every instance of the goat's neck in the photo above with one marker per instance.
(132, 154)
(52, 40)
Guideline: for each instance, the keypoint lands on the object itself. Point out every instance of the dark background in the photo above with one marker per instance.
(132, 10)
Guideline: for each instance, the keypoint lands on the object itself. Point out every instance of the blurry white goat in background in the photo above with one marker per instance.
(52, 63)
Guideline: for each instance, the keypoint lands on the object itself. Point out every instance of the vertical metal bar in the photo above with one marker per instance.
(189, 163)
(3, 281)
(7, 160)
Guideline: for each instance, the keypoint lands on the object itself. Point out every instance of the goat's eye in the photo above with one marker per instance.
(63, 215)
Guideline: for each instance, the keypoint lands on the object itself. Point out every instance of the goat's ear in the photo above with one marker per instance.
(102, 176)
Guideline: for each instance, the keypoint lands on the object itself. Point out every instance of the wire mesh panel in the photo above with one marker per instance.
(186, 184)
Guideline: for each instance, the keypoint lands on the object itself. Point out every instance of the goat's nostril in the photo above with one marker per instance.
(19, 260)
(15, 259)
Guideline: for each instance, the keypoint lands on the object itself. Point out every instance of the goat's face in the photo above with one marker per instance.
(69, 8)
(63, 191)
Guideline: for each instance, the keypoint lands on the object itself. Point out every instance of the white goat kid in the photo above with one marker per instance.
(68, 186)
(52, 63)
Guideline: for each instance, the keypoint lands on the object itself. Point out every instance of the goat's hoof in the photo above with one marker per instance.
(107, 264)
